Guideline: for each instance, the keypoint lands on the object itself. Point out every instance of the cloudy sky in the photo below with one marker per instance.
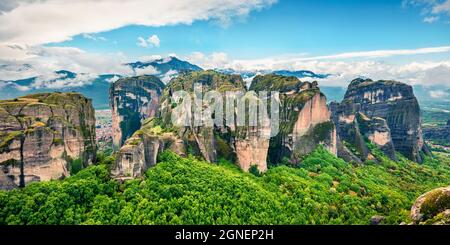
(406, 40)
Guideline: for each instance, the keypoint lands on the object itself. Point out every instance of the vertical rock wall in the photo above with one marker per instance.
(133, 100)
(41, 134)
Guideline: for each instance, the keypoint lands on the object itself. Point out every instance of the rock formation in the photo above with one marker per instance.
(304, 118)
(200, 135)
(6, 183)
(305, 123)
(133, 100)
(41, 134)
(432, 207)
(385, 113)
(141, 150)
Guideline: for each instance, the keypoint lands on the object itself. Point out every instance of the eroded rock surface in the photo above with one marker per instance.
(133, 100)
(304, 122)
(389, 117)
(140, 152)
(41, 134)
(304, 118)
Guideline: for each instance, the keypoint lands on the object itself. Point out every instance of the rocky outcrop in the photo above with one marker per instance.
(200, 136)
(432, 207)
(304, 118)
(305, 122)
(252, 147)
(377, 131)
(377, 220)
(356, 130)
(41, 134)
(133, 100)
(389, 117)
(6, 183)
(141, 150)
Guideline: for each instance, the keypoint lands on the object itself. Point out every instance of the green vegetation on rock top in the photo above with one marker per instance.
(272, 82)
(213, 80)
(358, 83)
(144, 78)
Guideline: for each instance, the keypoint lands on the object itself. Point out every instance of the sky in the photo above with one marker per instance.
(406, 40)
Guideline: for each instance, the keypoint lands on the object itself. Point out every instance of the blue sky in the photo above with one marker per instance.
(405, 40)
(318, 27)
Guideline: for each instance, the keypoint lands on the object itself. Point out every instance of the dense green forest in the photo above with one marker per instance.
(323, 189)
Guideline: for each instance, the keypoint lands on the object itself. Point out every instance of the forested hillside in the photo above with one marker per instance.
(322, 189)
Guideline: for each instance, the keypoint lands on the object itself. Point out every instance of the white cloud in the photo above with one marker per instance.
(215, 60)
(8, 5)
(89, 36)
(439, 94)
(27, 21)
(43, 61)
(443, 7)
(59, 81)
(434, 7)
(380, 53)
(149, 70)
(142, 42)
(113, 79)
(430, 19)
(168, 76)
(343, 67)
(21, 88)
(152, 41)
(93, 38)
(221, 60)
(150, 58)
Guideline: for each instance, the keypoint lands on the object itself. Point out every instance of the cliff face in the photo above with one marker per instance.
(6, 183)
(304, 118)
(141, 150)
(305, 123)
(47, 131)
(202, 139)
(376, 102)
(133, 100)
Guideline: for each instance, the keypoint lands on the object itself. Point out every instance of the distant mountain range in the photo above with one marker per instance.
(301, 74)
(96, 87)
(166, 65)
(298, 74)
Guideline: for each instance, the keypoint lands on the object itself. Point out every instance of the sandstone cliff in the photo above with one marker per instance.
(40, 134)
(133, 100)
(141, 150)
(202, 138)
(389, 117)
(304, 118)
(305, 123)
